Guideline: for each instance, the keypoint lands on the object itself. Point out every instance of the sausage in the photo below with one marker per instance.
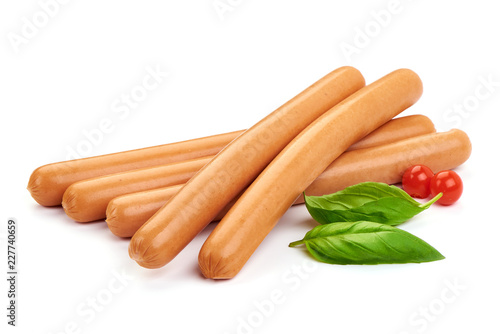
(87, 200)
(394, 130)
(163, 236)
(126, 214)
(48, 183)
(387, 163)
(253, 216)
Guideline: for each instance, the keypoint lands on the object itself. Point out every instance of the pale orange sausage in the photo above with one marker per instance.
(186, 214)
(87, 200)
(126, 214)
(252, 217)
(394, 130)
(48, 183)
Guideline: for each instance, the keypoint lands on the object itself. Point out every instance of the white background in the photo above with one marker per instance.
(225, 72)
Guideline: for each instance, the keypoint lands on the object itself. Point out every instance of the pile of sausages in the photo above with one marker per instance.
(336, 133)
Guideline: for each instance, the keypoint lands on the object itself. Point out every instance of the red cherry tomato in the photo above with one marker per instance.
(450, 184)
(416, 181)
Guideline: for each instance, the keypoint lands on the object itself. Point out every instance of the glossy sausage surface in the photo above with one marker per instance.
(396, 129)
(163, 236)
(252, 217)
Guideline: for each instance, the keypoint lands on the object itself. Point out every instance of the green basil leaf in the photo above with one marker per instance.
(366, 243)
(369, 201)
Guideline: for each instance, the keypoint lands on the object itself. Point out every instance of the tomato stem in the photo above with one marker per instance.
(432, 201)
